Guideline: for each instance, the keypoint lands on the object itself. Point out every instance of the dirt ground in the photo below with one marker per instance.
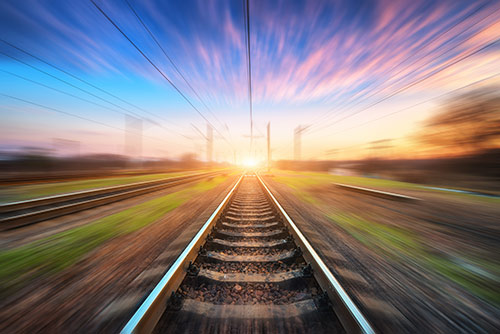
(18, 237)
(402, 296)
(101, 291)
(99, 294)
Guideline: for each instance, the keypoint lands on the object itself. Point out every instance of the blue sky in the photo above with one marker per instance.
(313, 63)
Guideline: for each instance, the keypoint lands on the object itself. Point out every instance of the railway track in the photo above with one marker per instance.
(22, 213)
(248, 270)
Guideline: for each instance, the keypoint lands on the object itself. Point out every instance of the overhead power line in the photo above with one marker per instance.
(158, 70)
(280, 148)
(68, 83)
(246, 21)
(75, 115)
(61, 111)
(83, 81)
(411, 84)
(172, 62)
(61, 91)
(361, 98)
(410, 107)
(80, 89)
(419, 103)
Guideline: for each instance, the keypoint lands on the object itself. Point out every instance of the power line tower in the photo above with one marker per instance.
(133, 136)
(269, 146)
(253, 139)
(297, 141)
(209, 137)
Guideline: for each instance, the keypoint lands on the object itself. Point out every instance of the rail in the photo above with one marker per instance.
(17, 214)
(146, 317)
(151, 310)
(351, 317)
(377, 193)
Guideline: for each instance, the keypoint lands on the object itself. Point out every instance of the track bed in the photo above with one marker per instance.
(249, 277)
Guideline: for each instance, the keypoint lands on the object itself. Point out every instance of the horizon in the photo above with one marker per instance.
(351, 75)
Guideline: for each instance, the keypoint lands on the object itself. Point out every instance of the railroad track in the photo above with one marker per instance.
(22, 213)
(248, 270)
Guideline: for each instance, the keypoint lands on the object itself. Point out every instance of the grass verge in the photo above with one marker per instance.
(302, 180)
(54, 253)
(480, 277)
(477, 275)
(25, 192)
(318, 177)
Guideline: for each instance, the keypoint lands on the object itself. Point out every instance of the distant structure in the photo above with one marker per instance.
(66, 147)
(297, 141)
(133, 136)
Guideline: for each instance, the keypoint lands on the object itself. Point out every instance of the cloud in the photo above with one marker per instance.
(302, 51)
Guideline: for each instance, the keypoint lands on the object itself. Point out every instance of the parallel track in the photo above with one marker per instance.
(248, 270)
(18, 214)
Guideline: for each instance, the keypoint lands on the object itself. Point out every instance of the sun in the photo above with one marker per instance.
(249, 163)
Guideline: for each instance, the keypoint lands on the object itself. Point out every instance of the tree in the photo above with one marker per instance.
(470, 123)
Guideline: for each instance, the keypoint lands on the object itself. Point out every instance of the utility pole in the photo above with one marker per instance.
(297, 141)
(269, 146)
(210, 142)
(209, 137)
(133, 137)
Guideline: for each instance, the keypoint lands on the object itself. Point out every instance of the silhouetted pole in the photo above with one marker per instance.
(133, 137)
(297, 141)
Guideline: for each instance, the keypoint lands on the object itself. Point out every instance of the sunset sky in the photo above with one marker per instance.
(352, 72)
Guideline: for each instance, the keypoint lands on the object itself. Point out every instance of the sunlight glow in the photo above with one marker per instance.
(250, 163)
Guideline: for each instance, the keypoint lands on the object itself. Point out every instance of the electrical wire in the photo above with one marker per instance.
(480, 49)
(78, 88)
(77, 116)
(374, 92)
(159, 71)
(83, 81)
(172, 62)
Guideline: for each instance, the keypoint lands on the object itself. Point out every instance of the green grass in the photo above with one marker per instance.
(467, 197)
(403, 245)
(54, 253)
(302, 180)
(300, 186)
(318, 178)
(397, 243)
(19, 193)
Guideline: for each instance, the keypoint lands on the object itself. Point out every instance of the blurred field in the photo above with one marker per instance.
(52, 254)
(25, 192)
(300, 180)
(450, 235)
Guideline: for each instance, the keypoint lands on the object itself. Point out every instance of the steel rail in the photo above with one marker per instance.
(26, 204)
(109, 195)
(377, 193)
(350, 316)
(150, 311)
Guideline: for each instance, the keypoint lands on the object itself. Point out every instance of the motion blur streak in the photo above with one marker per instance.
(331, 55)
(375, 124)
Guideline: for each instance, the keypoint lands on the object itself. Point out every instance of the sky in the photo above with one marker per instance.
(347, 72)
